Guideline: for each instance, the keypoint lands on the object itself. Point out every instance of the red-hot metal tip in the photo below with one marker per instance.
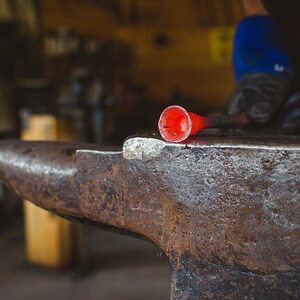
(176, 124)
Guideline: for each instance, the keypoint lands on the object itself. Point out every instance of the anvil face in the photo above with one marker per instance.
(224, 210)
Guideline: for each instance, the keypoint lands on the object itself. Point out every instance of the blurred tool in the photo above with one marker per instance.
(176, 124)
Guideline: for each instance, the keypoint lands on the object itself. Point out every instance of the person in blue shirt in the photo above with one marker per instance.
(265, 65)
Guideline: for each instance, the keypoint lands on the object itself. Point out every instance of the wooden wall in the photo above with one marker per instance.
(189, 61)
(85, 18)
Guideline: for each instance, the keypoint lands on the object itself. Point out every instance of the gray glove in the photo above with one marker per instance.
(259, 95)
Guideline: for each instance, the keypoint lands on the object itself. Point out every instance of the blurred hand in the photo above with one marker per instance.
(253, 7)
(259, 95)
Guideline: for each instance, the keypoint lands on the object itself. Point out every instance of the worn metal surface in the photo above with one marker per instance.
(225, 210)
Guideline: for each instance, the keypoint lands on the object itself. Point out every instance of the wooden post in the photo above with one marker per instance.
(48, 237)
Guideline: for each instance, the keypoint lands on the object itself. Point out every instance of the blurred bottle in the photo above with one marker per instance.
(95, 102)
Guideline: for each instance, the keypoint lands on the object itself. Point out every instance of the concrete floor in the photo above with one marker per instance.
(121, 268)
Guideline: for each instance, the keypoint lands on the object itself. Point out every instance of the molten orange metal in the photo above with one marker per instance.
(176, 124)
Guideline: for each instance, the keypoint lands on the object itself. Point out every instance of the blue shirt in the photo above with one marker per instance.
(260, 48)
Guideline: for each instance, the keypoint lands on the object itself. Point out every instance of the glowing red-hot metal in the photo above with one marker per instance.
(176, 124)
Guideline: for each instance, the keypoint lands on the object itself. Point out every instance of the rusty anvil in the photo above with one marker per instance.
(226, 211)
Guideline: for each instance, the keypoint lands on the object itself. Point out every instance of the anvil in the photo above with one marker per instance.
(225, 210)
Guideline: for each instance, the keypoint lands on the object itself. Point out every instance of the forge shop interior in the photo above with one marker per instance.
(210, 214)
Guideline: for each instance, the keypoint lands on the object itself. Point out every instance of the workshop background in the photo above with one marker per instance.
(98, 71)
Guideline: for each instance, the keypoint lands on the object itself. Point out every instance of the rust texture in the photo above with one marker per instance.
(225, 210)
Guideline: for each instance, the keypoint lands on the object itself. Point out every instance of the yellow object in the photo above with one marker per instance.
(221, 41)
(48, 237)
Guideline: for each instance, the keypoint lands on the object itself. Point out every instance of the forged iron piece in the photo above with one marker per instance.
(225, 210)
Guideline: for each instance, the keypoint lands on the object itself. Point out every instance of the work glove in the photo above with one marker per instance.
(259, 95)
